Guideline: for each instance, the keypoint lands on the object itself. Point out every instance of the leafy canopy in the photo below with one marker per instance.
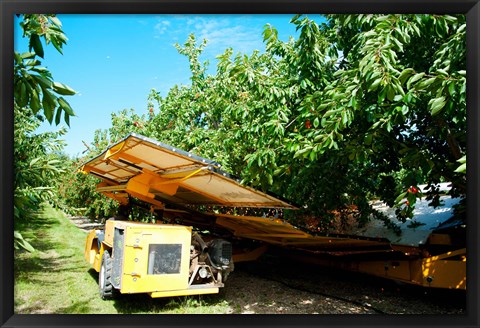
(38, 159)
(360, 107)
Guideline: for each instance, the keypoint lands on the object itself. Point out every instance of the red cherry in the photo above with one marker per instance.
(407, 203)
(307, 124)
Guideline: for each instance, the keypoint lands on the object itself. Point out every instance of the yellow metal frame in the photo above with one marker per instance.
(93, 254)
(185, 292)
(442, 271)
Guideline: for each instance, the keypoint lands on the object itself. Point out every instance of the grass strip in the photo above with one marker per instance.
(55, 279)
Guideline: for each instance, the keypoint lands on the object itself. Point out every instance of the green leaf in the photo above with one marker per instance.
(23, 101)
(63, 89)
(375, 84)
(462, 168)
(316, 122)
(344, 118)
(18, 58)
(451, 89)
(35, 101)
(436, 105)
(400, 197)
(270, 179)
(58, 116)
(48, 103)
(425, 83)
(414, 79)
(301, 152)
(267, 32)
(389, 126)
(28, 55)
(55, 21)
(442, 72)
(381, 96)
(43, 81)
(65, 106)
(36, 44)
(57, 46)
(405, 74)
(20, 241)
(368, 139)
(390, 92)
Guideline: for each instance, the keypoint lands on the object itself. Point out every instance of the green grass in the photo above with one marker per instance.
(56, 278)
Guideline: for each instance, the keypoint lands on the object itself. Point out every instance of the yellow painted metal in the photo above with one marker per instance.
(446, 271)
(91, 247)
(122, 198)
(176, 178)
(138, 238)
(429, 272)
(114, 188)
(142, 184)
(109, 231)
(114, 150)
(93, 254)
(148, 167)
(185, 292)
(281, 233)
(134, 271)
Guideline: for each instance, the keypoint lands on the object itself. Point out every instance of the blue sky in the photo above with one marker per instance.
(113, 61)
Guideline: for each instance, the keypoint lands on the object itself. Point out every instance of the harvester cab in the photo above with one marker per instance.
(158, 259)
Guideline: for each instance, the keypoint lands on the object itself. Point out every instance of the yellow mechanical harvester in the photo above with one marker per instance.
(164, 259)
(173, 259)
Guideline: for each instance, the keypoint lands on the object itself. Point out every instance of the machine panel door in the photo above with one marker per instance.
(156, 258)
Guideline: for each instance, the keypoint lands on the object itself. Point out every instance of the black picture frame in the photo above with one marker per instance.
(10, 7)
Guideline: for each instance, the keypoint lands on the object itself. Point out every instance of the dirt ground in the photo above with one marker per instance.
(268, 286)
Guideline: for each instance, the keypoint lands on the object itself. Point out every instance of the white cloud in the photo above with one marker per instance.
(221, 32)
(162, 26)
(224, 33)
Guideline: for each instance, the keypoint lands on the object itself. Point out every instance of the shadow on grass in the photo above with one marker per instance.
(49, 270)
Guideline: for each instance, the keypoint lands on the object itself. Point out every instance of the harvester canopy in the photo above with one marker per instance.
(145, 167)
